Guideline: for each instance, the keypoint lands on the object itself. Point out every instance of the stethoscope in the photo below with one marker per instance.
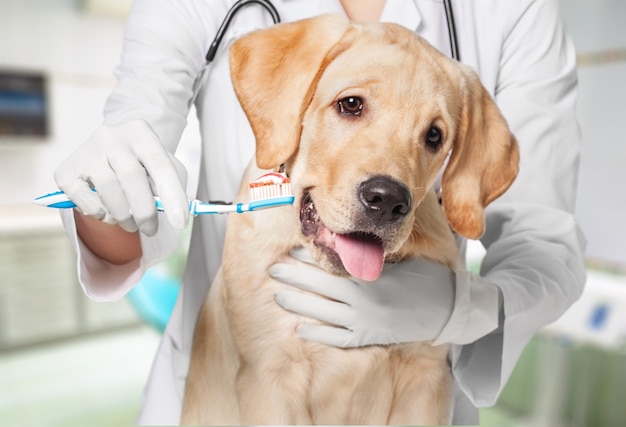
(269, 7)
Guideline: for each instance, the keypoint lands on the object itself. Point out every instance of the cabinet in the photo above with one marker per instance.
(40, 297)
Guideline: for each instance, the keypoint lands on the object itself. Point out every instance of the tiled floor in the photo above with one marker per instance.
(93, 381)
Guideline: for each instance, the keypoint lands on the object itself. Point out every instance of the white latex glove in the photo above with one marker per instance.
(127, 164)
(410, 301)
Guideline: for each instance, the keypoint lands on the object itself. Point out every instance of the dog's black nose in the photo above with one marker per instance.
(385, 200)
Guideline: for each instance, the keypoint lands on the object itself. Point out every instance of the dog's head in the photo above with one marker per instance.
(364, 116)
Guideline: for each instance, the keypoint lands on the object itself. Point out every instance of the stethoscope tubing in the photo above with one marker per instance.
(266, 4)
(454, 45)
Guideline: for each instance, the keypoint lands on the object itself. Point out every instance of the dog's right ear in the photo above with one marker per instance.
(274, 73)
(484, 160)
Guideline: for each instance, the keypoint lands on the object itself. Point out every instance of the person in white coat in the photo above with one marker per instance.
(533, 269)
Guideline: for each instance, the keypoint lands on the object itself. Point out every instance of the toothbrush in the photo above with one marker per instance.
(270, 190)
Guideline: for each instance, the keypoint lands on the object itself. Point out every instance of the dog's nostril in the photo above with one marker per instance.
(401, 209)
(375, 201)
(385, 200)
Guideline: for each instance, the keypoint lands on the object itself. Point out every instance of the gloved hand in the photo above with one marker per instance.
(410, 301)
(127, 164)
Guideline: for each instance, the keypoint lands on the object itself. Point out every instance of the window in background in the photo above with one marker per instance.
(23, 106)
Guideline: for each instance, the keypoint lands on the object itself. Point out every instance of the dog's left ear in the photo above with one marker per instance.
(484, 160)
(274, 73)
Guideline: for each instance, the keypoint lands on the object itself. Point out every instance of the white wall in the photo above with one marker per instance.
(78, 52)
(599, 34)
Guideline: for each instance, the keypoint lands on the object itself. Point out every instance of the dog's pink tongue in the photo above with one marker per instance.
(362, 257)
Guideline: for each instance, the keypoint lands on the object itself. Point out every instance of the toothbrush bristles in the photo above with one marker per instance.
(270, 191)
(270, 185)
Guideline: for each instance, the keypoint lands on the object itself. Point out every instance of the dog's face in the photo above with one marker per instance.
(364, 117)
(374, 138)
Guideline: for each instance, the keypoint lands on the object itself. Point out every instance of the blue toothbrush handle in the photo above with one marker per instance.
(58, 200)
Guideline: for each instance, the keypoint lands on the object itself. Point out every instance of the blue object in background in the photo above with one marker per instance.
(154, 297)
(599, 316)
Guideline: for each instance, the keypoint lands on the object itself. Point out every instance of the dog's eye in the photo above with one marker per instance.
(433, 138)
(350, 106)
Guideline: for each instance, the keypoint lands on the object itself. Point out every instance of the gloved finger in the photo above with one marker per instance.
(86, 200)
(302, 254)
(329, 335)
(133, 181)
(313, 307)
(142, 205)
(181, 170)
(157, 162)
(116, 203)
(78, 189)
(313, 279)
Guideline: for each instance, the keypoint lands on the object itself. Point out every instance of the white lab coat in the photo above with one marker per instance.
(534, 247)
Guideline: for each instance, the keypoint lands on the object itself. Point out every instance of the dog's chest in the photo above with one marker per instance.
(331, 380)
(267, 340)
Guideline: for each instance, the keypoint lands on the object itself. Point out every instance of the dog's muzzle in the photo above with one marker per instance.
(360, 253)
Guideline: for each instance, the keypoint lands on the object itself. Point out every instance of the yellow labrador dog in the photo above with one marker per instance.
(363, 117)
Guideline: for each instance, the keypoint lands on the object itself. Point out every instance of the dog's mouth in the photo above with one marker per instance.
(359, 253)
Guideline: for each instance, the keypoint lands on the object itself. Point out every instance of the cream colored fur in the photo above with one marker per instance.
(247, 364)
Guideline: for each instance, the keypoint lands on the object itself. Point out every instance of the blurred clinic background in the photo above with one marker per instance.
(66, 361)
